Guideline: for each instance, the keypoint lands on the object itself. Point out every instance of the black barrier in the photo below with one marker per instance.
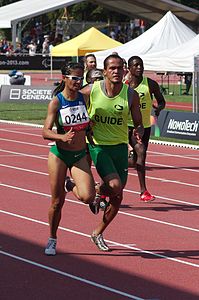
(26, 93)
(26, 62)
(179, 125)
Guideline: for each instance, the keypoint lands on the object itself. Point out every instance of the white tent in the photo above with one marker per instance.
(168, 33)
(179, 59)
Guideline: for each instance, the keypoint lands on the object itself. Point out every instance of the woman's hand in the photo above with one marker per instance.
(68, 136)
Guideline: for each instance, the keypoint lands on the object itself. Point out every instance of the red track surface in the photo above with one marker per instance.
(155, 246)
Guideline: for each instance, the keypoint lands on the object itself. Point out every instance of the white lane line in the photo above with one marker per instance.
(71, 276)
(25, 143)
(167, 180)
(24, 170)
(23, 124)
(173, 167)
(131, 174)
(158, 221)
(108, 241)
(151, 141)
(23, 154)
(166, 198)
(172, 144)
(173, 155)
(120, 212)
(20, 132)
(125, 190)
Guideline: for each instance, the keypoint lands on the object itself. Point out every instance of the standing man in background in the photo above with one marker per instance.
(89, 63)
(146, 88)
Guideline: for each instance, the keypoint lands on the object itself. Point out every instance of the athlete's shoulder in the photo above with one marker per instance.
(153, 85)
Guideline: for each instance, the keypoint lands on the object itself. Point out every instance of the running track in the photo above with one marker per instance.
(155, 246)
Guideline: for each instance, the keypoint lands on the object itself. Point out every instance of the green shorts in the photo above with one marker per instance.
(69, 157)
(110, 159)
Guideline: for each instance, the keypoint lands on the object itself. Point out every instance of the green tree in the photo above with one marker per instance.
(6, 2)
(191, 3)
(86, 11)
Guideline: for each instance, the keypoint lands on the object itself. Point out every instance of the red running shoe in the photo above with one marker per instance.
(146, 197)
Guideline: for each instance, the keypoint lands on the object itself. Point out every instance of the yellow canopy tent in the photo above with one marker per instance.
(89, 41)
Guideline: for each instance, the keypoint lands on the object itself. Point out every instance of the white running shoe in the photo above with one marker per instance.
(95, 205)
(99, 242)
(51, 247)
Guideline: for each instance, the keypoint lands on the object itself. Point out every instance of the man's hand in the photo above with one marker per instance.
(156, 110)
(138, 133)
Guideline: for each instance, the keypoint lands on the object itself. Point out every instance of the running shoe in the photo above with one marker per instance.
(95, 205)
(131, 160)
(67, 185)
(51, 247)
(99, 242)
(103, 203)
(146, 197)
(131, 154)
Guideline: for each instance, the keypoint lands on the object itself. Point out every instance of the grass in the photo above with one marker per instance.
(23, 112)
(36, 112)
(176, 97)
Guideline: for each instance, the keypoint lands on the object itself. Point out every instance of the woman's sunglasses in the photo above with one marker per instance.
(76, 78)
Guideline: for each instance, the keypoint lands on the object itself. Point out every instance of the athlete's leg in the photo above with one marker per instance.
(84, 185)
(140, 165)
(112, 186)
(57, 172)
(114, 163)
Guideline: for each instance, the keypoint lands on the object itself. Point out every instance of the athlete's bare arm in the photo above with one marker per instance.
(155, 90)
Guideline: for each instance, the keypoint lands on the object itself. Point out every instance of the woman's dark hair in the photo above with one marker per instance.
(66, 70)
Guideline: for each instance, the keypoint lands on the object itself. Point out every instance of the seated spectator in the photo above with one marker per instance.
(18, 49)
(4, 46)
(17, 78)
(32, 48)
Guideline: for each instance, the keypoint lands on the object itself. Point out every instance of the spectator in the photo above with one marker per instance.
(89, 63)
(17, 78)
(45, 45)
(113, 34)
(18, 49)
(188, 81)
(32, 48)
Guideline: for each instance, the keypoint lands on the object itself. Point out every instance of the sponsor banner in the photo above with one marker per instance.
(26, 62)
(180, 125)
(26, 93)
(158, 123)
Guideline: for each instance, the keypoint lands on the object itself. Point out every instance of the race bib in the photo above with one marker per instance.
(74, 116)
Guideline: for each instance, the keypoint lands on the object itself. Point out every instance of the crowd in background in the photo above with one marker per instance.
(37, 41)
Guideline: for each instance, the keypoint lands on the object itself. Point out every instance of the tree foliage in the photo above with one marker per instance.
(87, 11)
(191, 3)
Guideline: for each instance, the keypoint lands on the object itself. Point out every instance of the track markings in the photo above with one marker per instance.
(71, 276)
(108, 241)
